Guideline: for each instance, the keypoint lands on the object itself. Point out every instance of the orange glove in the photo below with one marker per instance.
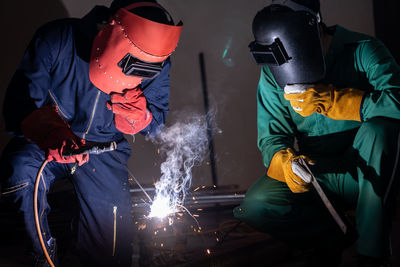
(337, 104)
(131, 114)
(285, 167)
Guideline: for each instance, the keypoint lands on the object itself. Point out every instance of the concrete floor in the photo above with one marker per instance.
(181, 244)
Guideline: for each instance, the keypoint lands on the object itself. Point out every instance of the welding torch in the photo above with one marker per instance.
(90, 148)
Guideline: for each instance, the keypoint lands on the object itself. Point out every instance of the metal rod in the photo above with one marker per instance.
(132, 176)
(208, 117)
(325, 199)
(207, 199)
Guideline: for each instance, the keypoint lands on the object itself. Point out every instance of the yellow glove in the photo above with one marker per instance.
(337, 104)
(285, 167)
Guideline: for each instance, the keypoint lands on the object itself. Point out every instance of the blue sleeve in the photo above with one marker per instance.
(29, 86)
(157, 96)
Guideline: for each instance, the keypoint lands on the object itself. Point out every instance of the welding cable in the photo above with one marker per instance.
(96, 148)
(36, 214)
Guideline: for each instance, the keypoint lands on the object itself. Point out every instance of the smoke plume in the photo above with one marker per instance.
(184, 145)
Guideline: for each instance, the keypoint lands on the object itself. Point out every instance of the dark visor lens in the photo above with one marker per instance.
(273, 54)
(133, 66)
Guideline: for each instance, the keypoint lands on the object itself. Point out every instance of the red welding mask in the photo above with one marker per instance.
(130, 48)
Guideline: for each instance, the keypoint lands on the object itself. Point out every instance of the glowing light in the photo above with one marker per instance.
(184, 145)
(161, 208)
(228, 60)
(208, 251)
(227, 47)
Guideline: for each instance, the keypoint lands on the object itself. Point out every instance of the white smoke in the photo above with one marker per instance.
(184, 145)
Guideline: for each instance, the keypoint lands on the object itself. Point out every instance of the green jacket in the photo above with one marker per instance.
(353, 60)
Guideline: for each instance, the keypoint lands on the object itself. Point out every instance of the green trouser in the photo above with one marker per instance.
(358, 178)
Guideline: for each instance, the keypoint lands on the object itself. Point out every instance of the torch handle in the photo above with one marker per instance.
(92, 148)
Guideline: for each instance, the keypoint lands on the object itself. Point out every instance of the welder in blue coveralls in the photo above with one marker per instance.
(87, 80)
(337, 93)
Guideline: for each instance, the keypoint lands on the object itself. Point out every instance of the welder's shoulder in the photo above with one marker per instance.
(369, 50)
(363, 43)
(58, 33)
(349, 36)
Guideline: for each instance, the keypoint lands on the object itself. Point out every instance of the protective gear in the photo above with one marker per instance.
(285, 167)
(130, 36)
(337, 104)
(132, 66)
(50, 74)
(53, 135)
(130, 112)
(361, 153)
(287, 39)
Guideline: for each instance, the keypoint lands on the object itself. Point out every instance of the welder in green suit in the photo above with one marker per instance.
(332, 97)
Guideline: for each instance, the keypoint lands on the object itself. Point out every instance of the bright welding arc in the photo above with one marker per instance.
(185, 145)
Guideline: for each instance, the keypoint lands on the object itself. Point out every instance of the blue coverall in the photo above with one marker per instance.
(55, 71)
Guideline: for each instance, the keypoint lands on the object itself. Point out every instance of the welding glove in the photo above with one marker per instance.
(53, 135)
(287, 167)
(337, 104)
(130, 112)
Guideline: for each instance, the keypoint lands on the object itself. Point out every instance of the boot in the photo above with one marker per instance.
(365, 261)
(328, 253)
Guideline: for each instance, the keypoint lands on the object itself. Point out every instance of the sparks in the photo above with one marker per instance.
(161, 208)
(184, 146)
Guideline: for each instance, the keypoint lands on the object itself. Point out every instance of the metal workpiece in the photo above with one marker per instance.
(208, 197)
(202, 233)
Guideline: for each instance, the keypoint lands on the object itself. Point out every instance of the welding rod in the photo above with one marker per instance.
(325, 199)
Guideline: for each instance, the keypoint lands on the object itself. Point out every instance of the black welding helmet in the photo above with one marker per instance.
(287, 40)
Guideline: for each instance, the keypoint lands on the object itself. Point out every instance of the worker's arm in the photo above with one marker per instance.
(383, 74)
(29, 110)
(372, 59)
(28, 88)
(275, 128)
(276, 136)
(157, 97)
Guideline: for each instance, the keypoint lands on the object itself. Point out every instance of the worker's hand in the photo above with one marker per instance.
(130, 112)
(337, 104)
(287, 167)
(53, 135)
